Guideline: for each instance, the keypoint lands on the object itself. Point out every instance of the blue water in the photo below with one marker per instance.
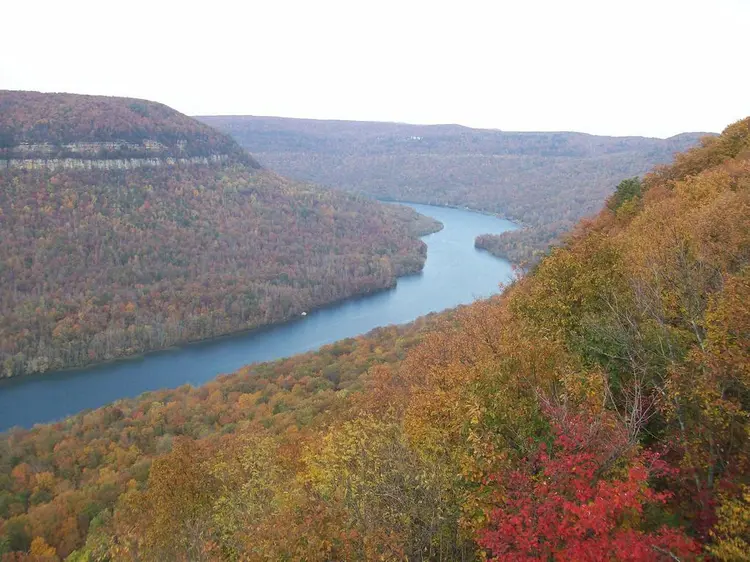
(455, 273)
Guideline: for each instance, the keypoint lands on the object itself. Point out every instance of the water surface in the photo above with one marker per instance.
(454, 273)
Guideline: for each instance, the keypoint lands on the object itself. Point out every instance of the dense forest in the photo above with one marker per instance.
(99, 264)
(597, 410)
(544, 181)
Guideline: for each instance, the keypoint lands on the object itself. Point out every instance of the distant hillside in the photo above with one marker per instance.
(174, 235)
(46, 126)
(547, 181)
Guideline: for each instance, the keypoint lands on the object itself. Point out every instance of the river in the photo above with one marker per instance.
(454, 273)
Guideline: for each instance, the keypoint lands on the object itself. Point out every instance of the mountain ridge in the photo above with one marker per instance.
(546, 180)
(341, 122)
(35, 125)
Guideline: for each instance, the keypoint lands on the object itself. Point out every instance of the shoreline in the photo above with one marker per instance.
(521, 225)
(106, 382)
(142, 355)
(297, 317)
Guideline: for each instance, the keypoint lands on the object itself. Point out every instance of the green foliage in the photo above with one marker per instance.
(17, 533)
(398, 503)
(625, 191)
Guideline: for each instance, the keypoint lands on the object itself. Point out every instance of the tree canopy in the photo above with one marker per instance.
(596, 410)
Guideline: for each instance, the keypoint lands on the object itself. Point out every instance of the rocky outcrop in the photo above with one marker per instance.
(108, 163)
(92, 148)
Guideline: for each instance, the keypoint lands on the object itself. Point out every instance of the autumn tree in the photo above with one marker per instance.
(396, 506)
(566, 504)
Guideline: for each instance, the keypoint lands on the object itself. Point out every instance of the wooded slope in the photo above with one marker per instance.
(97, 264)
(545, 181)
(597, 410)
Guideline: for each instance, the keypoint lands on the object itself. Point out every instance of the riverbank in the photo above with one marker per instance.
(454, 273)
(113, 329)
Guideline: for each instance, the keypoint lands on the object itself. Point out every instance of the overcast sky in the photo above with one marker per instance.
(625, 67)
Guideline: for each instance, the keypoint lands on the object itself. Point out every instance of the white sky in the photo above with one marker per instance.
(640, 67)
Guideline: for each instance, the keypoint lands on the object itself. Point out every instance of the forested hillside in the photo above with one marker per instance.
(545, 181)
(92, 459)
(37, 125)
(99, 263)
(597, 410)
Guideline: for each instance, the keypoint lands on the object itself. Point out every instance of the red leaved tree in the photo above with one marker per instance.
(559, 507)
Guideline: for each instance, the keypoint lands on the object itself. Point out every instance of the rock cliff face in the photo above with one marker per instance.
(108, 163)
(93, 148)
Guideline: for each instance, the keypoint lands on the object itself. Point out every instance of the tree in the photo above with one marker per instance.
(172, 519)
(6, 144)
(558, 506)
(732, 532)
(395, 505)
(625, 191)
(42, 552)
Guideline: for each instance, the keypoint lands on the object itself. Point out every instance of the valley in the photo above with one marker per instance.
(454, 274)
(374, 281)
(148, 229)
(546, 181)
(595, 408)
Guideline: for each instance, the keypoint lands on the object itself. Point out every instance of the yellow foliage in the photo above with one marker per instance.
(252, 485)
(42, 551)
(732, 532)
(397, 505)
(628, 209)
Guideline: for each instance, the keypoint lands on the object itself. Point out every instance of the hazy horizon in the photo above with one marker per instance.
(530, 132)
(620, 69)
